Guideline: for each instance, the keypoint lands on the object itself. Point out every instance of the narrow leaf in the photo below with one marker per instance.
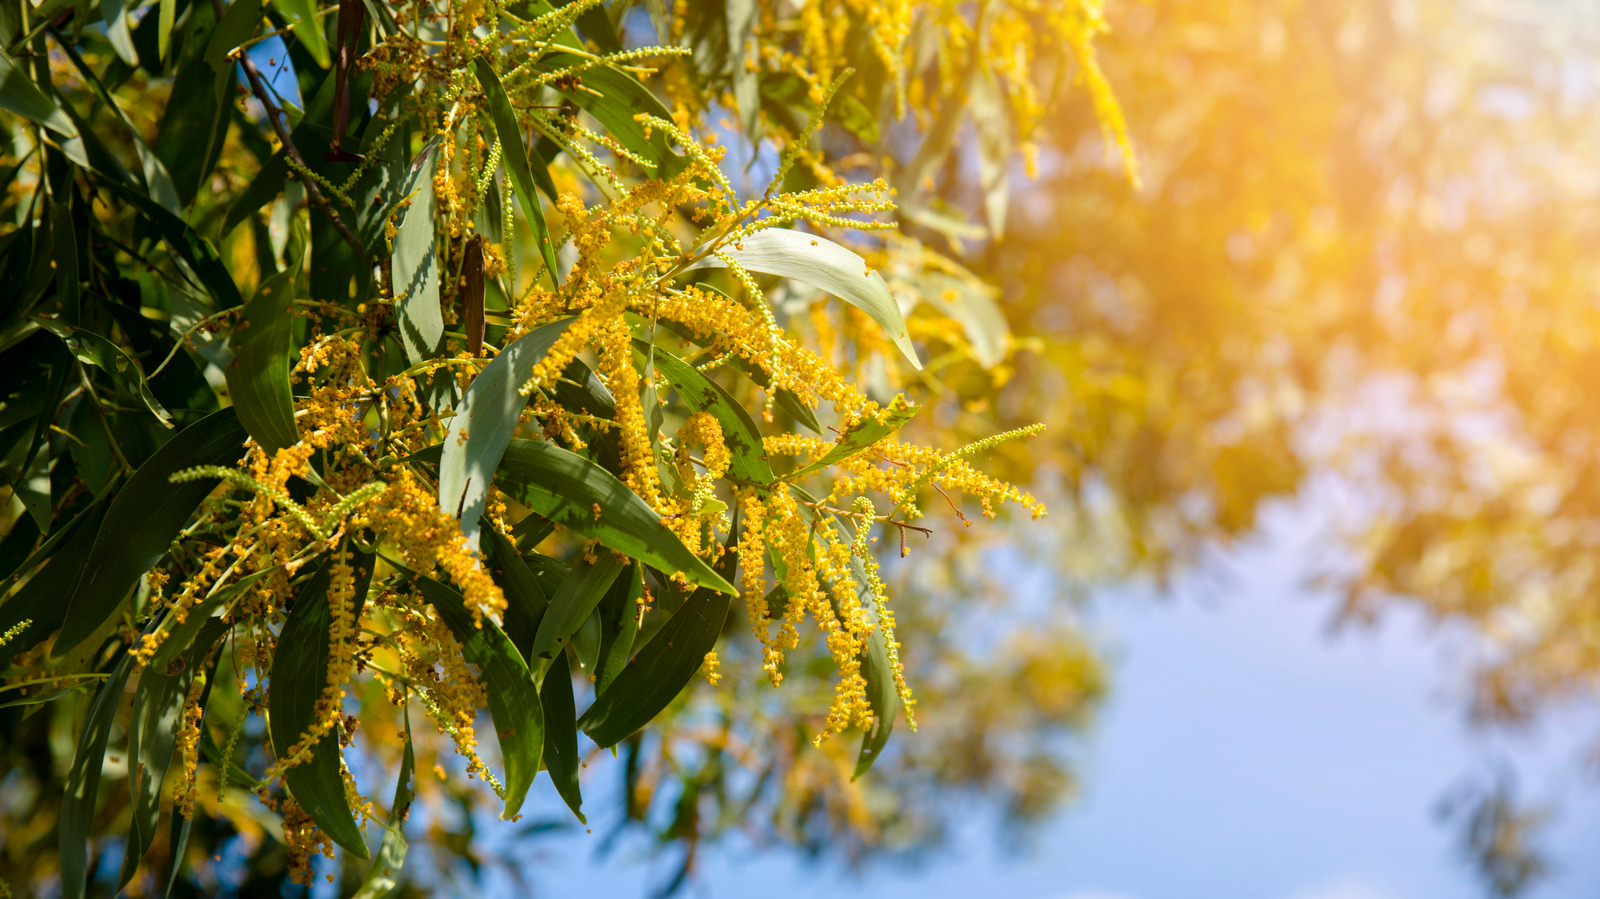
(569, 490)
(384, 875)
(258, 377)
(619, 625)
(525, 599)
(827, 266)
(415, 263)
(515, 153)
(20, 95)
(988, 108)
(561, 734)
(739, 430)
(302, 16)
(860, 436)
(574, 601)
(663, 668)
(513, 699)
(298, 679)
(83, 781)
(143, 520)
(92, 349)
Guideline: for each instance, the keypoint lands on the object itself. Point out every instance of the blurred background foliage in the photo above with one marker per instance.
(1356, 241)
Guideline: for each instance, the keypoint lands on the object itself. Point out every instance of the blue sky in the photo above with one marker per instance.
(1245, 753)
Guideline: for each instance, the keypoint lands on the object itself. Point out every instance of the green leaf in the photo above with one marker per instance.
(39, 600)
(64, 234)
(415, 263)
(115, 14)
(786, 89)
(619, 625)
(884, 698)
(989, 118)
(973, 305)
(302, 16)
(20, 95)
(92, 349)
(143, 520)
(483, 424)
(741, 16)
(663, 668)
(513, 699)
(739, 430)
(566, 488)
(83, 781)
(515, 154)
(574, 601)
(614, 97)
(561, 734)
(152, 734)
(525, 599)
(383, 876)
(43, 698)
(299, 676)
(258, 378)
(168, 12)
(860, 436)
(823, 264)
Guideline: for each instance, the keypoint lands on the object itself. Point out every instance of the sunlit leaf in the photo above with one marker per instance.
(823, 264)
(619, 624)
(20, 95)
(384, 875)
(570, 490)
(484, 422)
(258, 378)
(574, 601)
(862, 435)
(988, 107)
(513, 699)
(302, 16)
(415, 263)
(515, 154)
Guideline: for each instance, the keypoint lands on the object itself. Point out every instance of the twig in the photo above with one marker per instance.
(259, 88)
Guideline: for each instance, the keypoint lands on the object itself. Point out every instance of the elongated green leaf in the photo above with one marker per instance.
(741, 16)
(739, 430)
(168, 13)
(561, 734)
(83, 781)
(525, 599)
(663, 668)
(614, 97)
(92, 349)
(20, 95)
(115, 14)
(574, 601)
(152, 734)
(299, 676)
(823, 264)
(884, 698)
(862, 435)
(302, 16)
(786, 89)
(143, 519)
(181, 636)
(43, 698)
(415, 263)
(513, 699)
(39, 600)
(68, 278)
(258, 378)
(989, 118)
(384, 875)
(974, 305)
(786, 399)
(484, 422)
(568, 489)
(619, 625)
(515, 154)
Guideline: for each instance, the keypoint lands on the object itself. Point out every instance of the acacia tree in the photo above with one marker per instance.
(376, 373)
